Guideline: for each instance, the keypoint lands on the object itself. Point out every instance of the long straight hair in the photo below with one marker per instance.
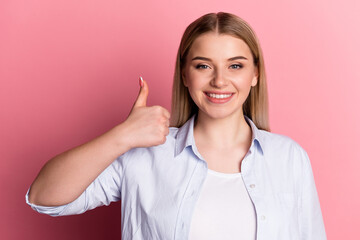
(256, 105)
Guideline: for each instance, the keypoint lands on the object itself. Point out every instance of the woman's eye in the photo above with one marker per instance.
(236, 66)
(202, 66)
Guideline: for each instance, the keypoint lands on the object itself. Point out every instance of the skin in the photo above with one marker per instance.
(221, 132)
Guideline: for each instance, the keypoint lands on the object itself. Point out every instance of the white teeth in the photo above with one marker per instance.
(219, 96)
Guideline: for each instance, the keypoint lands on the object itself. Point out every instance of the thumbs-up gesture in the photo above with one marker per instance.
(146, 126)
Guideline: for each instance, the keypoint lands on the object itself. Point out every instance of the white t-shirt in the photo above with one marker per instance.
(224, 209)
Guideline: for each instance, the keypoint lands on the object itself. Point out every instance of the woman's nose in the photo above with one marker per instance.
(218, 80)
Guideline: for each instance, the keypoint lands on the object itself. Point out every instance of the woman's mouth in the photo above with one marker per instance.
(218, 97)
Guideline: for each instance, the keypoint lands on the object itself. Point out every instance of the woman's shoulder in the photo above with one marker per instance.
(138, 162)
(167, 146)
(276, 140)
(283, 152)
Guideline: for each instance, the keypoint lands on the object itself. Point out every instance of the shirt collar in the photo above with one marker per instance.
(185, 136)
(256, 134)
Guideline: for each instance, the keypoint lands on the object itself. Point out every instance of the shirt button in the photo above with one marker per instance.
(252, 185)
(263, 217)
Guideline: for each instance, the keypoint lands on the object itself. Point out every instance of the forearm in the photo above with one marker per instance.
(67, 175)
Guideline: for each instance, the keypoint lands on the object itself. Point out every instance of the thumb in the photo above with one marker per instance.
(143, 94)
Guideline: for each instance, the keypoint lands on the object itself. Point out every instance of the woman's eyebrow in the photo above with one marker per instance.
(208, 59)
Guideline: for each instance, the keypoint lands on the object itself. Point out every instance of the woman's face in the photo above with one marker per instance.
(219, 73)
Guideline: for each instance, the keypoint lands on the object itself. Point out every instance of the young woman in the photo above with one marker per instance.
(216, 173)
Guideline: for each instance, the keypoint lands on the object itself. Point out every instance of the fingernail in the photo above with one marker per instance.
(141, 81)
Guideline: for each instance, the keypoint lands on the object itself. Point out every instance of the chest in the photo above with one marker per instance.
(226, 161)
(159, 195)
(223, 208)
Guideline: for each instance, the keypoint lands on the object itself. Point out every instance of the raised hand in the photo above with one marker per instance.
(146, 126)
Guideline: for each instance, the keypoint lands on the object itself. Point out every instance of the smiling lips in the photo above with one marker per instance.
(219, 97)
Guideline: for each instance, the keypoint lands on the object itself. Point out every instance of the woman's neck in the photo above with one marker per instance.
(225, 133)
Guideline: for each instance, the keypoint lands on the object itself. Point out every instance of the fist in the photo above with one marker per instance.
(146, 126)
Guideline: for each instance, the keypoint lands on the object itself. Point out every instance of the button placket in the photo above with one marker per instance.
(189, 201)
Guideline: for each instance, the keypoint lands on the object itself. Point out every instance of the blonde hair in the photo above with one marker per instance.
(256, 104)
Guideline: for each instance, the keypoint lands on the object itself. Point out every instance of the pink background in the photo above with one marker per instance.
(69, 72)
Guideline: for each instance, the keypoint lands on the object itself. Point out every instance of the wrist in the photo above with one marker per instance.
(122, 137)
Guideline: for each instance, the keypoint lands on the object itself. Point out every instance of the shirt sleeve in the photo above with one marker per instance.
(102, 191)
(311, 220)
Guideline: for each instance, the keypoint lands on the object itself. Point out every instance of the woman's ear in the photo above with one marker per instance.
(255, 78)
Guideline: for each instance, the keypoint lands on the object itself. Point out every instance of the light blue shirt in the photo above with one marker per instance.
(159, 186)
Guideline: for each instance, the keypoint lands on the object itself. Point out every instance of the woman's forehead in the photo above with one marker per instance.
(218, 46)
